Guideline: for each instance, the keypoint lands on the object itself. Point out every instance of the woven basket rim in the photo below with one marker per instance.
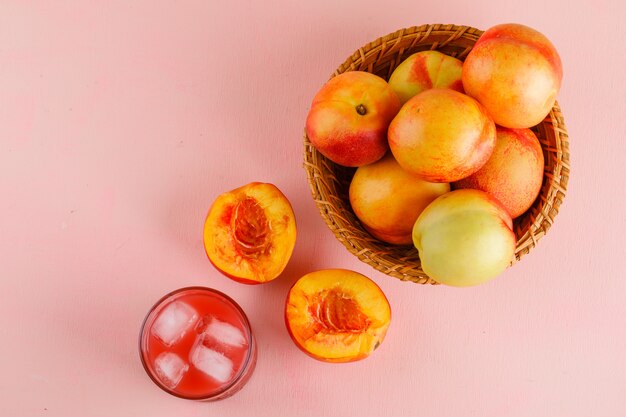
(390, 259)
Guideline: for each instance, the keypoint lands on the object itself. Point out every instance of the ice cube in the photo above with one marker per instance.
(170, 368)
(224, 333)
(173, 322)
(202, 323)
(211, 362)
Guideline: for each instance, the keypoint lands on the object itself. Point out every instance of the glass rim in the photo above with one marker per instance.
(244, 365)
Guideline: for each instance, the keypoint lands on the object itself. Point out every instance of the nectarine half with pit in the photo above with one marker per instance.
(387, 199)
(250, 233)
(336, 315)
(349, 118)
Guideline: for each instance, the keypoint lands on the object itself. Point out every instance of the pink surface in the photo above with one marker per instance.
(122, 121)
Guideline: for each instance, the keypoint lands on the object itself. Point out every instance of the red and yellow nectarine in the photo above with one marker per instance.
(349, 118)
(515, 72)
(514, 172)
(442, 135)
(424, 70)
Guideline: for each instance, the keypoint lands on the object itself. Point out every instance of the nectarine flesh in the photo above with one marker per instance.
(337, 315)
(250, 233)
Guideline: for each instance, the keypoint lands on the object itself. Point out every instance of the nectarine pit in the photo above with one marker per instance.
(250, 228)
(336, 312)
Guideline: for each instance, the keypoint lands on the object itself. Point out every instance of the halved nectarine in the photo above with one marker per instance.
(336, 315)
(250, 232)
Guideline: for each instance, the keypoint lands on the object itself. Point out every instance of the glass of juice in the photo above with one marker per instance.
(196, 343)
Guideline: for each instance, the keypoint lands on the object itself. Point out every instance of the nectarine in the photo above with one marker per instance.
(464, 238)
(514, 172)
(424, 70)
(250, 233)
(515, 72)
(387, 199)
(442, 135)
(336, 315)
(349, 118)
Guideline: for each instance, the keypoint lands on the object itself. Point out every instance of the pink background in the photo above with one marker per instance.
(121, 122)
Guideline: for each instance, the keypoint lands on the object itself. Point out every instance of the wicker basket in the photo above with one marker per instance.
(330, 182)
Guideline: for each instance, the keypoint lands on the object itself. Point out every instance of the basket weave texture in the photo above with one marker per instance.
(329, 182)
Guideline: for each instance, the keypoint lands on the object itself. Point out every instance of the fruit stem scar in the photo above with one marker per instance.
(361, 109)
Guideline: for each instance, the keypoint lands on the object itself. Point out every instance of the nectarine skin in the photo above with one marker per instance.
(515, 72)
(250, 233)
(464, 238)
(387, 199)
(514, 172)
(425, 70)
(441, 135)
(349, 118)
(337, 315)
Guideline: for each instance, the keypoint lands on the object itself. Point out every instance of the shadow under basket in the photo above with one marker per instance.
(329, 182)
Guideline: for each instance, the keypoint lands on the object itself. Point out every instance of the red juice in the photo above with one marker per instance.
(196, 343)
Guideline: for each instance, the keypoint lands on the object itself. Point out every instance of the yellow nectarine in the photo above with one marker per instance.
(387, 199)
